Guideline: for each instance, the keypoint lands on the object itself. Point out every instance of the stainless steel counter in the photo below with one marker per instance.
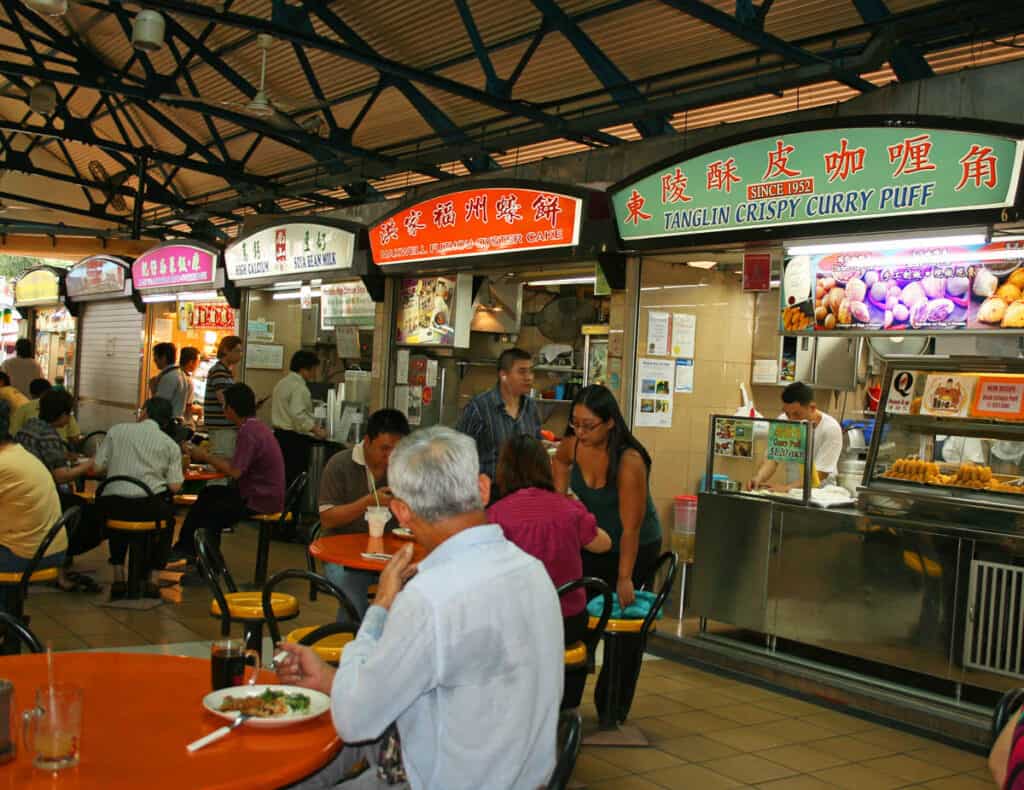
(888, 589)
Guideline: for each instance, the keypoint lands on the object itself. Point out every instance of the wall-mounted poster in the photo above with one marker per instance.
(435, 311)
(654, 392)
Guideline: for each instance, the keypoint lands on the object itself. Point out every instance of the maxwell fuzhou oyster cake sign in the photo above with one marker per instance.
(292, 248)
(477, 222)
(821, 176)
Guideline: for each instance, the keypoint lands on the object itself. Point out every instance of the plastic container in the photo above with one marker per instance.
(685, 526)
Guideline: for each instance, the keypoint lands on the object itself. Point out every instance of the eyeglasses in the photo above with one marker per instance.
(584, 427)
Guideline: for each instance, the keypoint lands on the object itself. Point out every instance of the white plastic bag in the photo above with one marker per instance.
(748, 410)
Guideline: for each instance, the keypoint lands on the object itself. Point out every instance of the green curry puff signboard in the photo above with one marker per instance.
(826, 175)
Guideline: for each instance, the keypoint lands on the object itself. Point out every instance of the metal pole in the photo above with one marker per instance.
(140, 195)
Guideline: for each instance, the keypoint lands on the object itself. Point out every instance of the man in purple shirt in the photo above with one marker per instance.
(257, 468)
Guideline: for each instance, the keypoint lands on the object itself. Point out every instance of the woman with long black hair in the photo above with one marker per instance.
(609, 470)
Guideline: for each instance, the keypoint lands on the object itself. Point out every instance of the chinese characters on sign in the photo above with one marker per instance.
(210, 315)
(294, 248)
(476, 222)
(172, 265)
(821, 176)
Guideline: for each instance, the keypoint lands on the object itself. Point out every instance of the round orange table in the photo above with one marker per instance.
(347, 550)
(203, 474)
(140, 711)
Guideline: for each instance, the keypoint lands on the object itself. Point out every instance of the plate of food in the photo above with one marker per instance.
(268, 706)
(403, 533)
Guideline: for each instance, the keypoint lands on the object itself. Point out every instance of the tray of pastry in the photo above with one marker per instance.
(973, 476)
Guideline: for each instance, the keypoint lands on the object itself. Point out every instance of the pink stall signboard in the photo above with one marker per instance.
(174, 265)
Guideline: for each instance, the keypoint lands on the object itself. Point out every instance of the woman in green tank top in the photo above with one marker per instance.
(609, 470)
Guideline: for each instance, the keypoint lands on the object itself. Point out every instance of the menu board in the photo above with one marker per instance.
(734, 438)
(345, 304)
(998, 397)
(435, 311)
(947, 395)
(926, 288)
(786, 441)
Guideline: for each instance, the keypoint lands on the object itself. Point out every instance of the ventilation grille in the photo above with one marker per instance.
(995, 624)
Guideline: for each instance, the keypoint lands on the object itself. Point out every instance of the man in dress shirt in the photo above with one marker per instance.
(466, 658)
(170, 383)
(507, 410)
(292, 414)
(22, 368)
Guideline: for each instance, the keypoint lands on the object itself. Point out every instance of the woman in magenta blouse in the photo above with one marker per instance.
(550, 526)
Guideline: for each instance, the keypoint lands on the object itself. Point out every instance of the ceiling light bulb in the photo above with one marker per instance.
(148, 31)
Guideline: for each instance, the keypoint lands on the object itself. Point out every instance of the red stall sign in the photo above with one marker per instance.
(757, 271)
(477, 222)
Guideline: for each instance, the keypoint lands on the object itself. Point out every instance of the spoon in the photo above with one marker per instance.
(216, 735)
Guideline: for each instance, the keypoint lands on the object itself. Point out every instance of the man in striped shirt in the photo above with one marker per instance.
(221, 430)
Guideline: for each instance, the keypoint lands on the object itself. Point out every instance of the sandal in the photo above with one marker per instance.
(84, 582)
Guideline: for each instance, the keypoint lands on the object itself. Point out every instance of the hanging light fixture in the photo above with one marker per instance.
(148, 31)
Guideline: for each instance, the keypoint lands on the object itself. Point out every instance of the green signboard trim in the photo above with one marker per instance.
(673, 199)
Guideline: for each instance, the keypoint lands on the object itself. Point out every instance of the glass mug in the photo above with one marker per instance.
(52, 730)
(228, 658)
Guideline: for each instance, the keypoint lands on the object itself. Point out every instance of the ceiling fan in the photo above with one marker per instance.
(259, 106)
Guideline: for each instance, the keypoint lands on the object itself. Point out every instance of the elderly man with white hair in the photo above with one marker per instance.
(462, 652)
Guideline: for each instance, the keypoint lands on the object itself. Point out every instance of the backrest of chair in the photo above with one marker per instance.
(124, 479)
(314, 579)
(570, 734)
(1009, 704)
(213, 569)
(314, 534)
(599, 587)
(68, 521)
(10, 623)
(294, 494)
(90, 443)
(671, 560)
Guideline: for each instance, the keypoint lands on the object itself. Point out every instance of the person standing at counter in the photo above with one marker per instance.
(189, 362)
(352, 481)
(219, 428)
(170, 383)
(798, 405)
(292, 414)
(609, 470)
(507, 410)
(22, 368)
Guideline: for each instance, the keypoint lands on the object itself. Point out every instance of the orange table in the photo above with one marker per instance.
(347, 550)
(202, 474)
(140, 711)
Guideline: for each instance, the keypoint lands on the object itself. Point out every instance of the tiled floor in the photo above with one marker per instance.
(706, 731)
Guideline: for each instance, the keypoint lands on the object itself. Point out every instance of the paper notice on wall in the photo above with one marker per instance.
(347, 340)
(402, 366)
(684, 375)
(684, 332)
(431, 372)
(415, 410)
(654, 392)
(402, 399)
(657, 333)
(766, 371)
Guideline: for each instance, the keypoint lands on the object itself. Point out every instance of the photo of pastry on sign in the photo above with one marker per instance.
(946, 395)
(999, 397)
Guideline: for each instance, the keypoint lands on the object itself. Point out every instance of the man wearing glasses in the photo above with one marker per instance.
(507, 410)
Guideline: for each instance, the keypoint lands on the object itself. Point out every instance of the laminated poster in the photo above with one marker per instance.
(734, 437)
(684, 375)
(786, 442)
(901, 392)
(657, 333)
(684, 331)
(402, 366)
(654, 392)
(414, 412)
(947, 395)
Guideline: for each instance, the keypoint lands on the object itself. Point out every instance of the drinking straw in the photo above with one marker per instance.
(49, 676)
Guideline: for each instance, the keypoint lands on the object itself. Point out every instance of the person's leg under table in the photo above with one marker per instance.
(345, 771)
(354, 583)
(214, 508)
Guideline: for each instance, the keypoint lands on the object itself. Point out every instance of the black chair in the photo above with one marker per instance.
(570, 733)
(13, 631)
(231, 606)
(631, 635)
(579, 656)
(14, 585)
(314, 533)
(140, 535)
(328, 641)
(1007, 706)
(86, 445)
(268, 521)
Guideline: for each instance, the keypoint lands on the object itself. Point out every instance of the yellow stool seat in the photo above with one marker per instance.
(631, 626)
(576, 655)
(930, 567)
(132, 526)
(88, 496)
(249, 605)
(329, 648)
(275, 517)
(185, 500)
(44, 575)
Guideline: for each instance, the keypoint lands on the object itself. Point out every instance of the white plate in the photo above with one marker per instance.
(319, 704)
(403, 533)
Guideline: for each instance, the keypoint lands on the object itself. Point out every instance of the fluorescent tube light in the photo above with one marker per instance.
(294, 295)
(289, 284)
(197, 296)
(702, 264)
(588, 280)
(155, 298)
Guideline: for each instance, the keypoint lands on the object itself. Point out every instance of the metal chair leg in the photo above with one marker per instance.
(136, 566)
(254, 635)
(262, 554)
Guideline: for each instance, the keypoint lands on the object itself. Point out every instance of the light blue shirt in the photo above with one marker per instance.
(469, 662)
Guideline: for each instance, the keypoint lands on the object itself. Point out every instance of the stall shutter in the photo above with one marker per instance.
(109, 350)
(994, 634)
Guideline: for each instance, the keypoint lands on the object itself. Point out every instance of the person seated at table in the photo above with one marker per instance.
(29, 502)
(11, 395)
(462, 652)
(257, 468)
(352, 481)
(146, 451)
(70, 433)
(40, 437)
(546, 524)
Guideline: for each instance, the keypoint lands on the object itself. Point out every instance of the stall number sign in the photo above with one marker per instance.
(294, 248)
(828, 175)
(786, 442)
(211, 316)
(999, 397)
(901, 392)
(477, 222)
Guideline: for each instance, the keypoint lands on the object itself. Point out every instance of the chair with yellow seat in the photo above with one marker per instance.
(579, 655)
(268, 521)
(14, 585)
(231, 606)
(623, 637)
(15, 632)
(328, 641)
(140, 535)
